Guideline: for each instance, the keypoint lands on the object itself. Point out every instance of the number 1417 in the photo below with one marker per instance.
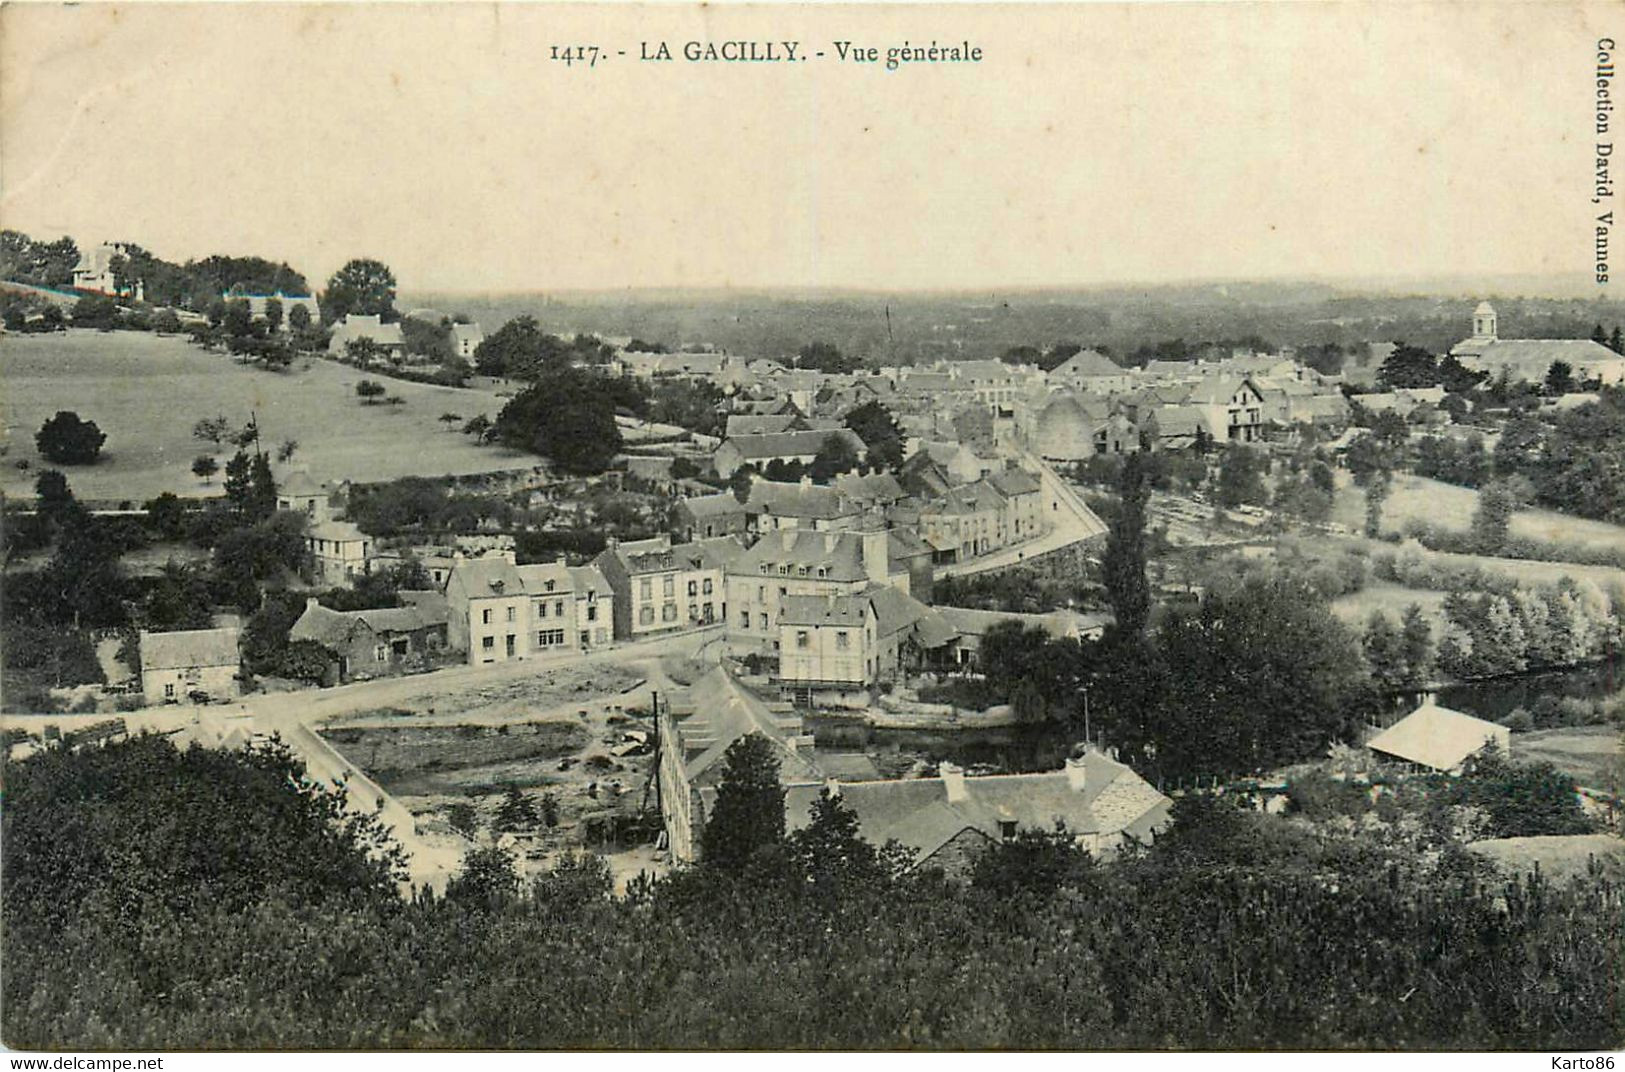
(572, 54)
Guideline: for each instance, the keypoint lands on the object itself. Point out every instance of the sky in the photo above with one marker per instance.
(1093, 144)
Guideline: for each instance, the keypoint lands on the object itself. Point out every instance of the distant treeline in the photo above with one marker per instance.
(192, 285)
(886, 329)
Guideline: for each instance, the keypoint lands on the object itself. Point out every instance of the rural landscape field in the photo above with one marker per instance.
(147, 391)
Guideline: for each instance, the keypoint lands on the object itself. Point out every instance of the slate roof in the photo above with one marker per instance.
(1013, 482)
(895, 609)
(334, 628)
(590, 579)
(724, 711)
(977, 497)
(718, 552)
(753, 424)
(902, 543)
(810, 501)
(719, 505)
(654, 555)
(491, 575)
(872, 487)
(1177, 421)
(1059, 624)
(300, 484)
(1438, 737)
(789, 444)
(839, 553)
(355, 326)
(918, 813)
(338, 531)
(1533, 357)
(1086, 363)
(431, 606)
(837, 611)
(536, 576)
(1218, 390)
(187, 648)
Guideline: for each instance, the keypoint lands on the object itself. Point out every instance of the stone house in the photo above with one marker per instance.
(340, 551)
(189, 664)
(947, 820)
(372, 643)
(659, 587)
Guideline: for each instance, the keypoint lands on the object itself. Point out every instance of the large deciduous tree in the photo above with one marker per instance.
(880, 432)
(1262, 673)
(362, 286)
(567, 417)
(835, 456)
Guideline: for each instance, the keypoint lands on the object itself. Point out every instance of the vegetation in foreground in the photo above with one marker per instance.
(207, 900)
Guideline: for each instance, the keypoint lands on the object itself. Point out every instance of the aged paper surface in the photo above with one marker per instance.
(1367, 252)
(1090, 144)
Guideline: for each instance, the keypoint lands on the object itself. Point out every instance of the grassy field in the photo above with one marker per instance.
(1391, 599)
(1586, 752)
(147, 391)
(1416, 498)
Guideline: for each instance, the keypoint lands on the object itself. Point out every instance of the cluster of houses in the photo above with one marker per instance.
(946, 820)
(828, 587)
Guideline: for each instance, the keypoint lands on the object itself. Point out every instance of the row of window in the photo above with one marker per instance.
(668, 587)
(842, 639)
(801, 571)
(510, 613)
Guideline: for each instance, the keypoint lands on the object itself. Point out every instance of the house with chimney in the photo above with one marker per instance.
(356, 327)
(364, 644)
(189, 665)
(759, 451)
(695, 730)
(1231, 408)
(803, 562)
(1091, 370)
(707, 516)
(834, 648)
(950, 820)
(488, 610)
(96, 271)
(498, 611)
(775, 505)
(340, 552)
(659, 586)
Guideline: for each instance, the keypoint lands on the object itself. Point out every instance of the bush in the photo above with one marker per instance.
(67, 440)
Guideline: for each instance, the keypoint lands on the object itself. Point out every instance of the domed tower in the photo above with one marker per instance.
(1484, 322)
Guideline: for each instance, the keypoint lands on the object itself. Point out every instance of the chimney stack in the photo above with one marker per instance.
(953, 780)
(311, 602)
(1077, 774)
(806, 481)
(876, 555)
